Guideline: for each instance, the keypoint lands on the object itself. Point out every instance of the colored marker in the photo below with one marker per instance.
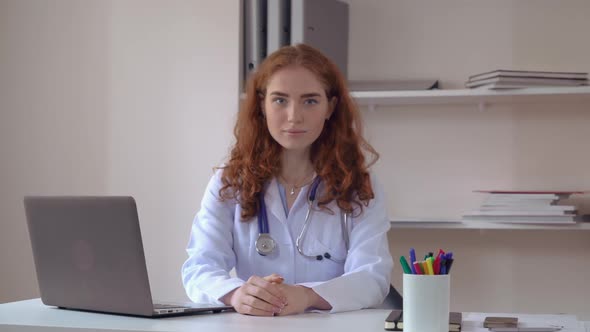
(429, 266)
(417, 268)
(449, 264)
(423, 267)
(436, 264)
(405, 265)
(413, 260)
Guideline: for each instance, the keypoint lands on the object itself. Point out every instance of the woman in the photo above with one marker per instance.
(298, 140)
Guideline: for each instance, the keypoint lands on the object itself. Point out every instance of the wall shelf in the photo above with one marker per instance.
(480, 97)
(416, 223)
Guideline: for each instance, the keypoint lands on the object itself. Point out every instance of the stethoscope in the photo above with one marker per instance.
(265, 244)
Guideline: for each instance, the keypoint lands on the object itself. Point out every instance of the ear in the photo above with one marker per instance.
(332, 107)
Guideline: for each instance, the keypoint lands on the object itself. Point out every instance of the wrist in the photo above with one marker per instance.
(314, 300)
(311, 297)
(227, 299)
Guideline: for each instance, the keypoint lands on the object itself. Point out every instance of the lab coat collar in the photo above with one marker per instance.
(272, 199)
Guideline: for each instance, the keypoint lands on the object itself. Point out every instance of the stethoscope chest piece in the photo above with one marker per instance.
(265, 244)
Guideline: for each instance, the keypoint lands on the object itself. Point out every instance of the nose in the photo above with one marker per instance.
(294, 114)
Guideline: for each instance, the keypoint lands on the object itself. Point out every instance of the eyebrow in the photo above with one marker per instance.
(305, 95)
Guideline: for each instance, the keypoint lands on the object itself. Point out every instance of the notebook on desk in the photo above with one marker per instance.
(88, 255)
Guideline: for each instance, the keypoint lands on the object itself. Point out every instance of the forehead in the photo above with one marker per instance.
(294, 80)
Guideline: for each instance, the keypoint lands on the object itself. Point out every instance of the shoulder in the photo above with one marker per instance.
(216, 183)
(376, 184)
(379, 197)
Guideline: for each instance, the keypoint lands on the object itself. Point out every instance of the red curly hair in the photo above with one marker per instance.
(337, 155)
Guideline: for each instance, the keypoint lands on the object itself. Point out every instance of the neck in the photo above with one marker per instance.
(296, 166)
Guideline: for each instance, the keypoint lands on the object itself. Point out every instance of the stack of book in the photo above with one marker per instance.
(514, 79)
(536, 207)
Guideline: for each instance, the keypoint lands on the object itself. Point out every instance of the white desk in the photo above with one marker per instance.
(33, 316)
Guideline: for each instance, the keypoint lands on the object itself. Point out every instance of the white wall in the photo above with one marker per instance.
(53, 118)
(174, 90)
(116, 97)
(432, 157)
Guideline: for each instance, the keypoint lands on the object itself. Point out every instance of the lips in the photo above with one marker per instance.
(295, 131)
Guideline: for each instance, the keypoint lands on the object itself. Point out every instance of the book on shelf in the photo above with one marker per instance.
(527, 207)
(518, 206)
(498, 321)
(516, 212)
(525, 219)
(395, 321)
(520, 197)
(528, 73)
(523, 82)
(528, 195)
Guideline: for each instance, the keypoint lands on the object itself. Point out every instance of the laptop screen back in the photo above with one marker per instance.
(88, 253)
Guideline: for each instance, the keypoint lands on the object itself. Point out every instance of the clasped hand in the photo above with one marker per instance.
(269, 296)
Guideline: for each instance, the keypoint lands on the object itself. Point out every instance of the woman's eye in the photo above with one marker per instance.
(279, 101)
(310, 102)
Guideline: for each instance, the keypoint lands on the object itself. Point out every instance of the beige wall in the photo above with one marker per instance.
(174, 84)
(432, 157)
(137, 97)
(53, 119)
(118, 97)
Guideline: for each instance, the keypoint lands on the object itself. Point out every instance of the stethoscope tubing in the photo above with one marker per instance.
(264, 236)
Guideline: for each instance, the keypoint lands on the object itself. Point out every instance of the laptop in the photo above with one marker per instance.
(89, 256)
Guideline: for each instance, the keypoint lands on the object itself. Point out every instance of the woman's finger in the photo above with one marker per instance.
(264, 295)
(274, 278)
(249, 310)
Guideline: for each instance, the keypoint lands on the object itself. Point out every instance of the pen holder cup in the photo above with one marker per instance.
(426, 303)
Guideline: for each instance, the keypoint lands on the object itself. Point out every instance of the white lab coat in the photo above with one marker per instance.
(219, 241)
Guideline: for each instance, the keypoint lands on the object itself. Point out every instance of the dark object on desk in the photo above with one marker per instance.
(393, 300)
(89, 256)
(492, 322)
(391, 321)
(394, 322)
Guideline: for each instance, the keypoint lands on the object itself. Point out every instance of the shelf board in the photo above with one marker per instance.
(409, 223)
(471, 96)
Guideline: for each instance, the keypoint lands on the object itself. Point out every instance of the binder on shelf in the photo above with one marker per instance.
(255, 20)
(278, 25)
(271, 24)
(323, 25)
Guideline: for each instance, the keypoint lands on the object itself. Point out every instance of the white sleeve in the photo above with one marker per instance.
(367, 270)
(205, 274)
